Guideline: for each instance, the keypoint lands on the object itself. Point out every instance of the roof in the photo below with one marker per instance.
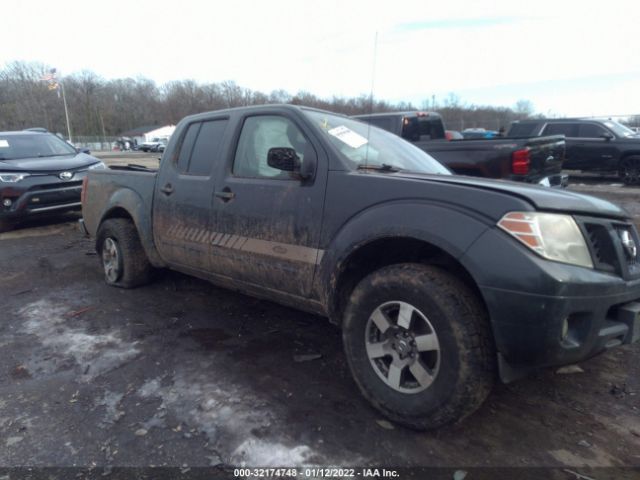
(568, 119)
(407, 113)
(258, 108)
(140, 130)
(24, 132)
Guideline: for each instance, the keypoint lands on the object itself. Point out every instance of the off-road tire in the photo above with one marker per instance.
(629, 170)
(133, 265)
(467, 368)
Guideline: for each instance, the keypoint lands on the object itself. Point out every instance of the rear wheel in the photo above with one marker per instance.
(629, 170)
(418, 344)
(124, 261)
(5, 226)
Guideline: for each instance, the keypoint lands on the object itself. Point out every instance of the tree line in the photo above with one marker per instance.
(107, 108)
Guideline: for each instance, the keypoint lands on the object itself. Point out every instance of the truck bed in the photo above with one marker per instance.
(493, 157)
(132, 181)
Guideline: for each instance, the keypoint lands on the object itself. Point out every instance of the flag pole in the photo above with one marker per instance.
(66, 110)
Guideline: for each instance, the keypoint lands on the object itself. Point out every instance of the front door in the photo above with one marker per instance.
(182, 201)
(266, 221)
(594, 150)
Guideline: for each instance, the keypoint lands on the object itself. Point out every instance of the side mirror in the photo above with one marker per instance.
(83, 150)
(283, 158)
(607, 136)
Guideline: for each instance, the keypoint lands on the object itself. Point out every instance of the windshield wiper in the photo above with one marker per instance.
(384, 167)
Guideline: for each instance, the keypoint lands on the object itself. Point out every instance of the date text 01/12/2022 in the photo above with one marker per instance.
(315, 472)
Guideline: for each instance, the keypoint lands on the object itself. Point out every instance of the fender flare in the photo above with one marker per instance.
(131, 202)
(446, 227)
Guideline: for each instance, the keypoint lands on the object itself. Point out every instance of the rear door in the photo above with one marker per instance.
(266, 224)
(570, 130)
(182, 201)
(594, 151)
(546, 155)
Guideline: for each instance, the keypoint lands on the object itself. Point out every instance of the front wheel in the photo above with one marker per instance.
(419, 345)
(124, 260)
(629, 170)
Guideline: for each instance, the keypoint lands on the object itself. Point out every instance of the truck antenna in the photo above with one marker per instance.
(373, 79)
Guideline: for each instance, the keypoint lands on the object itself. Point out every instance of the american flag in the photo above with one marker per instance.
(50, 78)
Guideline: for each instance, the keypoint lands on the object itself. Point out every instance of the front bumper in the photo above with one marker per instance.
(546, 313)
(39, 195)
(553, 331)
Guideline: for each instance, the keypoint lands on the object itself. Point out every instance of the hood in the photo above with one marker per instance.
(542, 198)
(48, 164)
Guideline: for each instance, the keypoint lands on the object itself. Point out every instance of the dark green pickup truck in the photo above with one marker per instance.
(440, 283)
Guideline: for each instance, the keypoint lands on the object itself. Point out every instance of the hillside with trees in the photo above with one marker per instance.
(100, 107)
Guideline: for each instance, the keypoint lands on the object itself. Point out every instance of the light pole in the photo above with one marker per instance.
(58, 84)
(66, 110)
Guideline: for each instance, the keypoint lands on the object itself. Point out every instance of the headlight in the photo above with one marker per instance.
(553, 236)
(12, 177)
(99, 166)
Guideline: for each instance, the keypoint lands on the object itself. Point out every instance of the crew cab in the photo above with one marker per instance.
(524, 159)
(39, 174)
(593, 145)
(439, 282)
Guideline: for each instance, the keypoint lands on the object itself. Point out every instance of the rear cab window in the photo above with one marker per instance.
(522, 129)
(421, 128)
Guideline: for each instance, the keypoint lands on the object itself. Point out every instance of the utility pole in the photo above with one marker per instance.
(66, 111)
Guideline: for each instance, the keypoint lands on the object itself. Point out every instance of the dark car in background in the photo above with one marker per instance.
(523, 159)
(39, 174)
(592, 145)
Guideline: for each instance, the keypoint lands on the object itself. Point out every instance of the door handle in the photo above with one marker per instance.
(225, 194)
(167, 189)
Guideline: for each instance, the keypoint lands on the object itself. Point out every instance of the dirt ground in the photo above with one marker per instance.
(182, 373)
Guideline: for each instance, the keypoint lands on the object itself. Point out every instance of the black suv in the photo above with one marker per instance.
(591, 144)
(39, 173)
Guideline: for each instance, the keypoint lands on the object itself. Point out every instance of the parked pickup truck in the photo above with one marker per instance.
(592, 144)
(438, 281)
(524, 159)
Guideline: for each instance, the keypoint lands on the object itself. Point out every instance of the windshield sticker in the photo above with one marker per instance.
(4, 144)
(348, 136)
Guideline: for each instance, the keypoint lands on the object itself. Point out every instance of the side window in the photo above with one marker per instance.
(200, 147)
(206, 147)
(187, 146)
(566, 129)
(590, 130)
(258, 135)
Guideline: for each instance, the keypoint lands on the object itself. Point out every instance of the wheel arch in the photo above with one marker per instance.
(119, 209)
(377, 253)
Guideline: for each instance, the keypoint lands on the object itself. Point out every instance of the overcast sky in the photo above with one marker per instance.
(566, 57)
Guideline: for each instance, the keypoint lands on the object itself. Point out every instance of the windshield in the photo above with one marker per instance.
(363, 145)
(37, 145)
(619, 129)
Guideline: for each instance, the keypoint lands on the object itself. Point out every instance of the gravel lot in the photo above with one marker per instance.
(183, 373)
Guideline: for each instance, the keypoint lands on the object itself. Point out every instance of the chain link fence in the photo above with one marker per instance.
(97, 143)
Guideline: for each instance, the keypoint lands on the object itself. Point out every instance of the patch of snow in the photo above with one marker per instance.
(257, 453)
(94, 353)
